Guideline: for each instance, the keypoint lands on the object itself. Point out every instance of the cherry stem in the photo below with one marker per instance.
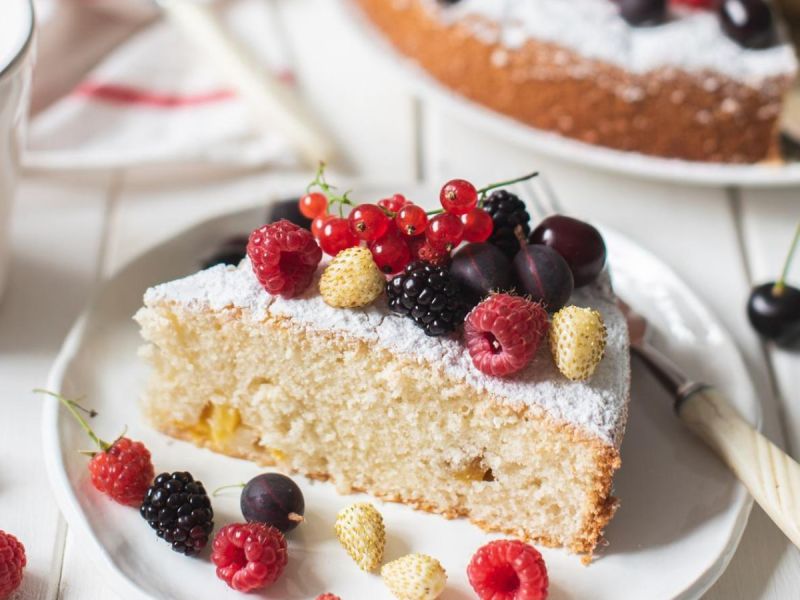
(227, 487)
(73, 407)
(777, 289)
(492, 186)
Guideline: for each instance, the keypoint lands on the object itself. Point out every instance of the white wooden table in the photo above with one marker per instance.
(69, 232)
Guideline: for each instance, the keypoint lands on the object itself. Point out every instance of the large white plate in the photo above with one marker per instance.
(681, 516)
(574, 151)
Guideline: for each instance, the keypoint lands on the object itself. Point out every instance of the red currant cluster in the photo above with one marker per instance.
(395, 229)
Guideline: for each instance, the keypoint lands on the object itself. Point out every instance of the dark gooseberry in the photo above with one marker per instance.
(273, 499)
(544, 275)
(480, 269)
(579, 243)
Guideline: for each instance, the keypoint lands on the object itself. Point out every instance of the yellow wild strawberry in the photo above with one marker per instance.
(414, 577)
(577, 341)
(360, 530)
(352, 279)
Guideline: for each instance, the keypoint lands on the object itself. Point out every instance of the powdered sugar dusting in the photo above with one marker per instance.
(597, 406)
(692, 40)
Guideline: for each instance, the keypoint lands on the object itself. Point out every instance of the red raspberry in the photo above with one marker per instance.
(422, 250)
(12, 562)
(328, 596)
(249, 556)
(508, 570)
(503, 333)
(124, 471)
(284, 257)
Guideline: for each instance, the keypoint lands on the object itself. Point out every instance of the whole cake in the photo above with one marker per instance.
(328, 376)
(693, 79)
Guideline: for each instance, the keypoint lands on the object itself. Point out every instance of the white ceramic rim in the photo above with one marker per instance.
(505, 128)
(74, 516)
(26, 43)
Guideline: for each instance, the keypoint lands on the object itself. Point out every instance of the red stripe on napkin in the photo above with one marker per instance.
(122, 94)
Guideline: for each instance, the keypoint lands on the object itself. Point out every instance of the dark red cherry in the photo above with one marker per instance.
(579, 243)
(748, 22)
(774, 312)
(273, 499)
(479, 269)
(544, 275)
(643, 12)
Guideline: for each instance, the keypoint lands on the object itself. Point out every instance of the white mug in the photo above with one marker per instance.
(16, 66)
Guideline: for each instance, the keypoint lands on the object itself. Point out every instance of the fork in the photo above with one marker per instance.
(770, 475)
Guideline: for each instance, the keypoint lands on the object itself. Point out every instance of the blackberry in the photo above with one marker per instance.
(507, 212)
(428, 295)
(179, 509)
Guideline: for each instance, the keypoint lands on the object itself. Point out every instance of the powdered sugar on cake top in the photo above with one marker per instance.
(598, 406)
(692, 41)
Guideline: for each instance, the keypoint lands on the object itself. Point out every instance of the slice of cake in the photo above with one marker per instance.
(363, 398)
(702, 84)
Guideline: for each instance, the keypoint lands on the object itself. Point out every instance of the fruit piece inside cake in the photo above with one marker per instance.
(691, 79)
(497, 405)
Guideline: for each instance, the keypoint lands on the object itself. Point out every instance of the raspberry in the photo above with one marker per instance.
(503, 333)
(414, 577)
(508, 570)
(352, 279)
(12, 562)
(360, 530)
(577, 341)
(284, 257)
(328, 596)
(249, 556)
(124, 471)
(179, 509)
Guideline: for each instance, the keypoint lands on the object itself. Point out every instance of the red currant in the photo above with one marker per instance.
(478, 225)
(313, 205)
(393, 204)
(458, 196)
(318, 223)
(445, 231)
(390, 253)
(336, 236)
(368, 222)
(411, 220)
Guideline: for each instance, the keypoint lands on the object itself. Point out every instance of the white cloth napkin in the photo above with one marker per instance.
(155, 101)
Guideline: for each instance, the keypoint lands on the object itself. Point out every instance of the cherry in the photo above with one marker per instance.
(481, 269)
(544, 275)
(336, 236)
(318, 224)
(368, 222)
(273, 499)
(391, 253)
(458, 196)
(411, 220)
(478, 225)
(394, 203)
(774, 308)
(313, 204)
(643, 12)
(748, 22)
(579, 243)
(445, 231)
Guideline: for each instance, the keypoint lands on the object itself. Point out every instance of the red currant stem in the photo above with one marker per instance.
(779, 286)
(329, 190)
(72, 406)
(492, 186)
(293, 516)
(438, 211)
(227, 487)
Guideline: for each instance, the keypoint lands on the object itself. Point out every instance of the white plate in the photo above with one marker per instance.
(567, 149)
(681, 517)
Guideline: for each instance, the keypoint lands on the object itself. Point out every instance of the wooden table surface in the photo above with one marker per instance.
(70, 230)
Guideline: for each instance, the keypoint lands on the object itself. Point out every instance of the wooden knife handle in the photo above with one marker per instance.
(771, 476)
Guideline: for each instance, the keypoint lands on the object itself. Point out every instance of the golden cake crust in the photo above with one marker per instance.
(678, 115)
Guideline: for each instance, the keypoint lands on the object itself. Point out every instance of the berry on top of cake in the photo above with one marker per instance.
(436, 385)
(689, 79)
